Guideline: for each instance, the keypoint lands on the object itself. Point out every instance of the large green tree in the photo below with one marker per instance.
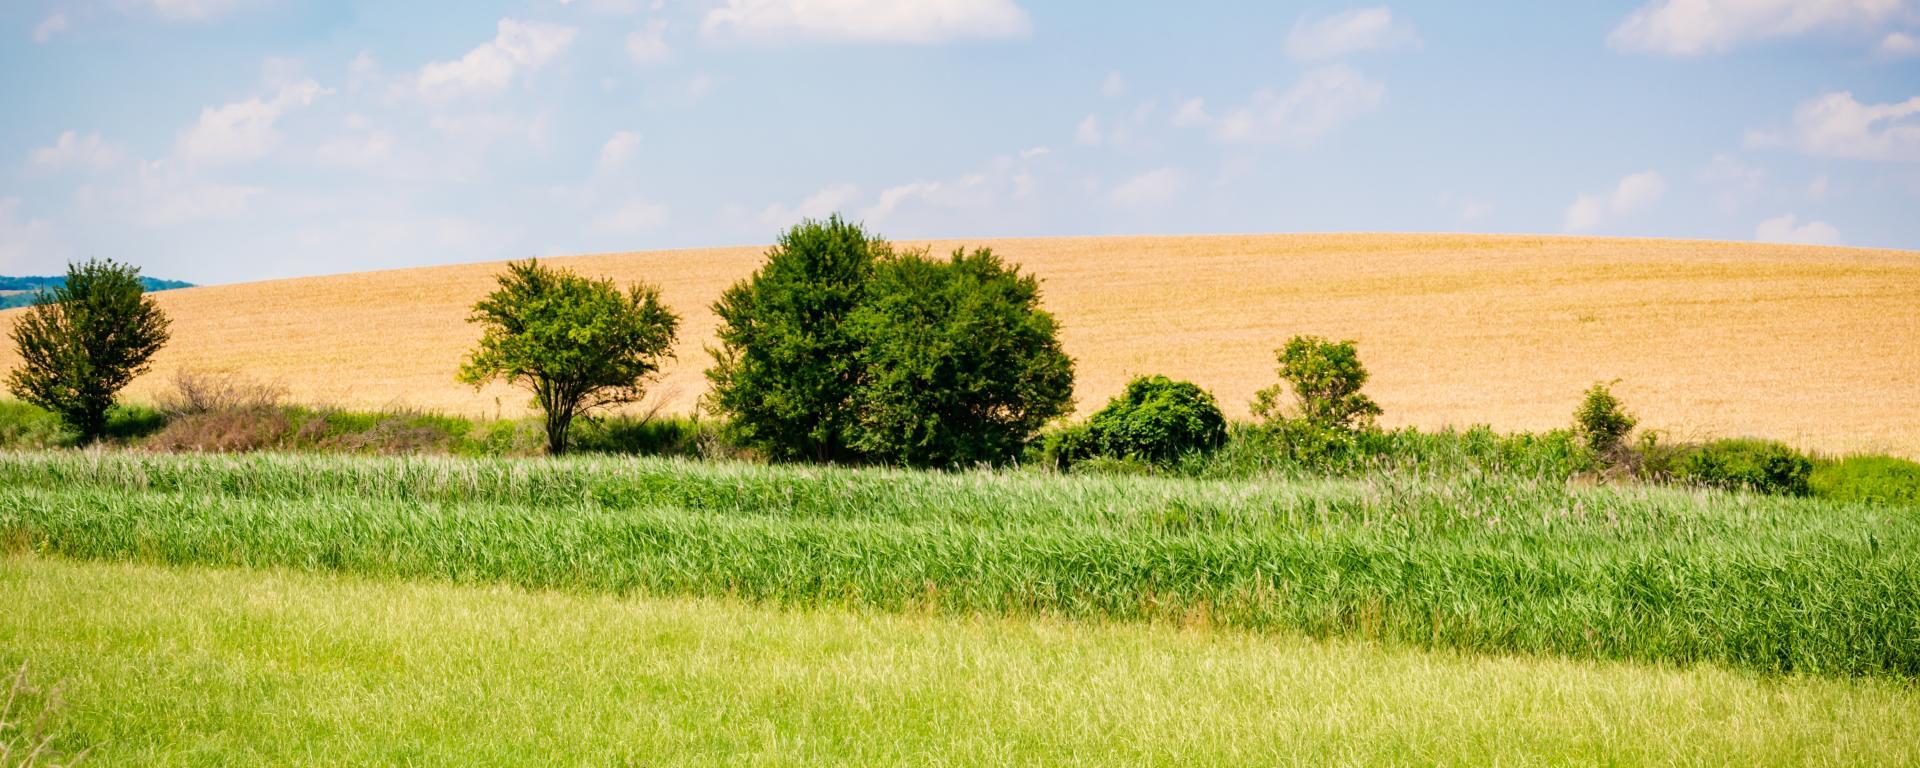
(959, 365)
(85, 340)
(787, 365)
(578, 344)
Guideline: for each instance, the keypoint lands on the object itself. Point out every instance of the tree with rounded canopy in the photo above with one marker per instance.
(84, 341)
(579, 344)
(787, 365)
(959, 364)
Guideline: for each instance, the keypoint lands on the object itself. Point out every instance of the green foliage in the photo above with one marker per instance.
(1761, 466)
(1874, 479)
(1601, 422)
(84, 341)
(1325, 378)
(787, 366)
(1296, 449)
(579, 344)
(959, 365)
(650, 436)
(1156, 420)
(25, 426)
(1477, 562)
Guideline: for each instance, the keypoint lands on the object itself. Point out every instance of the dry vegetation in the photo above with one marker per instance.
(1816, 346)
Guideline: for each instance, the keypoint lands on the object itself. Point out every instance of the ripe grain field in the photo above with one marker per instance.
(1811, 345)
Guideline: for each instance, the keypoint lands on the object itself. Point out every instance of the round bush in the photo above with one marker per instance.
(1761, 466)
(1157, 420)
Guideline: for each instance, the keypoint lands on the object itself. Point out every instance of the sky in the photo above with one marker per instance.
(234, 140)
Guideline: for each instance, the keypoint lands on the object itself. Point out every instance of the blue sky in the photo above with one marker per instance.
(231, 140)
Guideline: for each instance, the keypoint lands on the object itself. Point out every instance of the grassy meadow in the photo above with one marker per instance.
(1478, 562)
(1804, 344)
(194, 666)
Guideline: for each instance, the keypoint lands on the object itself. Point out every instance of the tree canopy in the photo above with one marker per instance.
(578, 344)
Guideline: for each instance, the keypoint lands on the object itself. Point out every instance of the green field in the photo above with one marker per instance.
(1472, 562)
(191, 666)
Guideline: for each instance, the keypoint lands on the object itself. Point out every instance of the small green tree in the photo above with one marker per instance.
(578, 344)
(84, 341)
(787, 366)
(959, 365)
(1325, 378)
(1601, 421)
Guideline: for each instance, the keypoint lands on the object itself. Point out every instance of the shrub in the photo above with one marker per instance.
(197, 391)
(25, 426)
(1875, 479)
(1602, 423)
(1762, 466)
(1157, 420)
(226, 431)
(651, 435)
(1325, 378)
(959, 365)
(786, 367)
(84, 341)
(579, 344)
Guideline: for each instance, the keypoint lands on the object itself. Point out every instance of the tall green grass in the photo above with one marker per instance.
(1471, 561)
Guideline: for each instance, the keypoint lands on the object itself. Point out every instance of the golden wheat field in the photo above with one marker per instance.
(1816, 346)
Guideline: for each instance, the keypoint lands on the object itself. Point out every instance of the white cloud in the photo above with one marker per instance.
(1817, 189)
(1033, 152)
(1088, 132)
(1151, 189)
(244, 130)
(1322, 101)
(72, 149)
(1695, 27)
(166, 193)
(27, 245)
(517, 47)
(866, 21)
(1734, 181)
(1465, 209)
(1836, 125)
(648, 45)
(618, 149)
(1788, 229)
(818, 205)
(362, 146)
(1899, 45)
(50, 26)
(1349, 32)
(631, 216)
(699, 85)
(1114, 85)
(190, 10)
(1634, 193)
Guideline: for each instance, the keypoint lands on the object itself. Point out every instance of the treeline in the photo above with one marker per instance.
(843, 348)
(22, 291)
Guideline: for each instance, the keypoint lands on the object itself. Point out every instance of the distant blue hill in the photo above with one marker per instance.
(20, 291)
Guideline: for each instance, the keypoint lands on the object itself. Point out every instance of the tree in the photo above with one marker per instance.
(84, 341)
(1601, 421)
(786, 369)
(959, 365)
(1325, 378)
(578, 344)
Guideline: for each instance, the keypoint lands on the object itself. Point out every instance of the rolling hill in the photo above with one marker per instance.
(1816, 346)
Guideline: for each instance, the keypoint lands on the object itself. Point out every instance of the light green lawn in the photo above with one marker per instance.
(187, 666)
